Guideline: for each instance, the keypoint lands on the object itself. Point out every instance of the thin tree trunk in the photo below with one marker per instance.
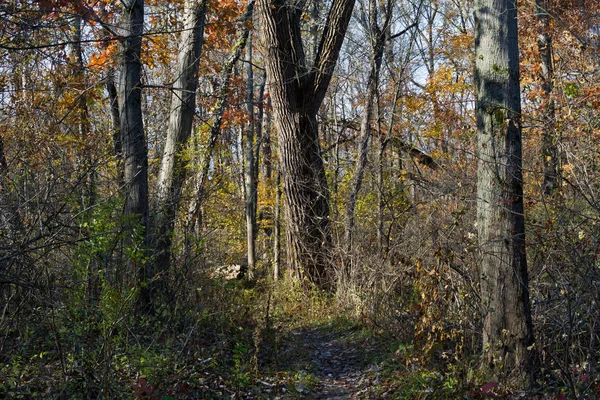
(549, 139)
(135, 153)
(381, 237)
(88, 192)
(173, 169)
(507, 323)
(277, 228)
(297, 93)
(267, 144)
(378, 38)
(250, 171)
(112, 273)
(193, 223)
(117, 138)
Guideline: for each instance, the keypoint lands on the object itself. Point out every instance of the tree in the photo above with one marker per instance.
(172, 171)
(507, 323)
(297, 91)
(549, 145)
(252, 156)
(377, 36)
(193, 221)
(135, 152)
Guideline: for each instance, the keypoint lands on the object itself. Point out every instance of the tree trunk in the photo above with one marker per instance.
(173, 169)
(88, 192)
(117, 137)
(378, 37)
(193, 223)
(267, 144)
(277, 228)
(549, 139)
(250, 175)
(507, 324)
(135, 153)
(297, 93)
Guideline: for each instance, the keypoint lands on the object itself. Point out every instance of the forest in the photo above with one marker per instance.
(287, 199)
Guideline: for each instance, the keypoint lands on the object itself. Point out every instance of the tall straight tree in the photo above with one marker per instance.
(135, 152)
(507, 324)
(172, 171)
(252, 156)
(377, 36)
(250, 172)
(297, 91)
(193, 223)
(549, 145)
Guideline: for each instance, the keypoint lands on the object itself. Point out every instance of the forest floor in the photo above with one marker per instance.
(329, 363)
(287, 347)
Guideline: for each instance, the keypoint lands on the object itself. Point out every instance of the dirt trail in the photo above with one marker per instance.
(330, 365)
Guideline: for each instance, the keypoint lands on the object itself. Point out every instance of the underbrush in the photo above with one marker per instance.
(216, 339)
(198, 348)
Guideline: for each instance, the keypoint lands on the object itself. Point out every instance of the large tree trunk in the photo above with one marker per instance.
(172, 171)
(135, 153)
(549, 139)
(297, 93)
(507, 324)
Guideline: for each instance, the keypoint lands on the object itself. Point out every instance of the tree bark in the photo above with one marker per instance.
(173, 169)
(135, 153)
(297, 93)
(507, 324)
(549, 139)
(117, 137)
(250, 173)
(277, 228)
(266, 144)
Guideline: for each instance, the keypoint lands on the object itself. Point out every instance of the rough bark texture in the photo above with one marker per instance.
(549, 139)
(172, 171)
(507, 325)
(297, 93)
(135, 153)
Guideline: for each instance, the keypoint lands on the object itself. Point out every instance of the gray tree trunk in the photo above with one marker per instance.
(135, 153)
(507, 324)
(549, 138)
(117, 137)
(297, 93)
(266, 144)
(193, 223)
(172, 171)
(250, 173)
(277, 228)
(378, 38)
(86, 164)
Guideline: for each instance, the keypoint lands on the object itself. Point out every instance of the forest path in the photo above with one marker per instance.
(329, 364)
